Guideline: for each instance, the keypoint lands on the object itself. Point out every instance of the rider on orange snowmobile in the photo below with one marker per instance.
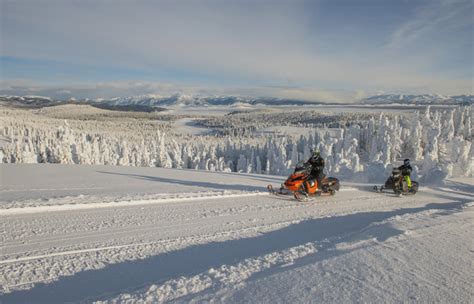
(317, 167)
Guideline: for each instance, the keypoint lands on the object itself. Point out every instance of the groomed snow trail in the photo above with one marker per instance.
(114, 234)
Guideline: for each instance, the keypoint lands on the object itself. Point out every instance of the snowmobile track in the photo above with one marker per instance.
(126, 203)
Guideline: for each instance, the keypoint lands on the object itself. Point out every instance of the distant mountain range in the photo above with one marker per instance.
(153, 101)
(197, 100)
(425, 99)
(157, 102)
(36, 102)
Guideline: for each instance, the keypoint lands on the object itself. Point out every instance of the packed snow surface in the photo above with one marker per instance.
(108, 234)
(189, 126)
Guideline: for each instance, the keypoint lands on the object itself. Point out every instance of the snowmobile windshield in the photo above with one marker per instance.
(395, 172)
(301, 166)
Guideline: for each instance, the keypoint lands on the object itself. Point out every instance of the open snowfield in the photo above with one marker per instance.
(189, 126)
(73, 233)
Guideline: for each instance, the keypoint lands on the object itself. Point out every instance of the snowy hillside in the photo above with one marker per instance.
(111, 234)
(426, 99)
(156, 101)
(30, 101)
(150, 101)
(356, 145)
(198, 100)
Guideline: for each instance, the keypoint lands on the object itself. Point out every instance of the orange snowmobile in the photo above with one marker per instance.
(298, 184)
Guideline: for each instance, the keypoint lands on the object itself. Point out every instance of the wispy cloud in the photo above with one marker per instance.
(234, 44)
(434, 18)
(130, 88)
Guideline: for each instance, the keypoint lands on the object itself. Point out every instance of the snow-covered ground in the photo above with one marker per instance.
(295, 131)
(358, 146)
(74, 233)
(189, 126)
(4, 141)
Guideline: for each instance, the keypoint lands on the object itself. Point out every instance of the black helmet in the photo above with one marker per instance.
(406, 162)
(315, 154)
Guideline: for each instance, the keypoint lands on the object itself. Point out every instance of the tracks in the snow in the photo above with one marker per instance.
(126, 203)
(57, 244)
(156, 222)
(255, 228)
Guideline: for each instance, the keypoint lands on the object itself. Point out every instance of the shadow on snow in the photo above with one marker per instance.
(129, 276)
(191, 183)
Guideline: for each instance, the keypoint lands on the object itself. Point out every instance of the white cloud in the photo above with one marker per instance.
(125, 88)
(432, 19)
(259, 42)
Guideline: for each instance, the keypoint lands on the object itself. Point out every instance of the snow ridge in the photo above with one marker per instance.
(226, 275)
(169, 198)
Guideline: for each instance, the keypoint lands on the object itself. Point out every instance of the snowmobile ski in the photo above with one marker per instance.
(280, 192)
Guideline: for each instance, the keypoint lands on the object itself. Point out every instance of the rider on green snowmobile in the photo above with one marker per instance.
(406, 171)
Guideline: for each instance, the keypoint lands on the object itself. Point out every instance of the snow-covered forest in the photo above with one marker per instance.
(362, 146)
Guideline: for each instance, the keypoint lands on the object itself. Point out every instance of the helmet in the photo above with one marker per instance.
(315, 154)
(406, 162)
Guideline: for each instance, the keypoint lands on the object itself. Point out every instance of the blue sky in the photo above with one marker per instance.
(314, 50)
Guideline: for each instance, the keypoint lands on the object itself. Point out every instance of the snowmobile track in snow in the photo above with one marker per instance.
(126, 203)
(135, 240)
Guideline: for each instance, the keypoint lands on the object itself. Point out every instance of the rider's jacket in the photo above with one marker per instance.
(405, 169)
